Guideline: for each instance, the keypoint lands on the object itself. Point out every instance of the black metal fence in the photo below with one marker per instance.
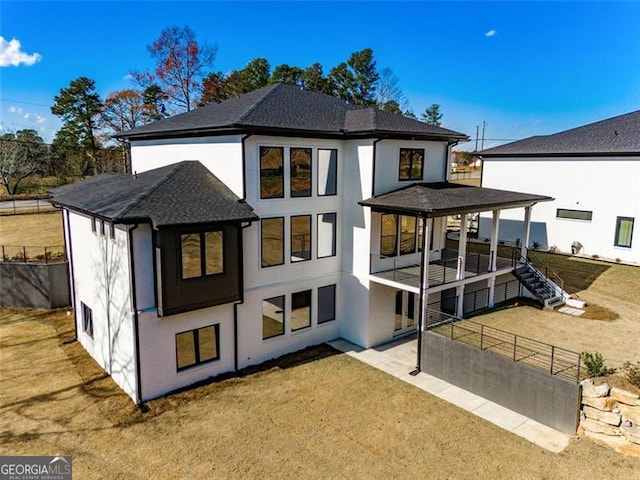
(542, 356)
(32, 254)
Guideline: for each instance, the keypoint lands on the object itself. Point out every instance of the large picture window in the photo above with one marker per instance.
(624, 232)
(202, 253)
(326, 235)
(195, 347)
(300, 310)
(273, 317)
(326, 303)
(271, 172)
(327, 171)
(272, 241)
(407, 234)
(388, 234)
(411, 164)
(300, 171)
(300, 238)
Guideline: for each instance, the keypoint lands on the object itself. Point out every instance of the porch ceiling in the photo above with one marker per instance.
(444, 198)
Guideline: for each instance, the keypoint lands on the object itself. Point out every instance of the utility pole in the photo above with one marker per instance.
(484, 125)
(477, 130)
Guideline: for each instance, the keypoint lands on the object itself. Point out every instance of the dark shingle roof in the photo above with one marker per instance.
(444, 198)
(286, 108)
(614, 136)
(181, 193)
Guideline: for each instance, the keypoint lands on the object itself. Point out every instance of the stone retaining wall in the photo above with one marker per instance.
(610, 416)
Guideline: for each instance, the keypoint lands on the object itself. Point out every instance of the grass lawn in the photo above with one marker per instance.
(37, 229)
(318, 414)
(611, 324)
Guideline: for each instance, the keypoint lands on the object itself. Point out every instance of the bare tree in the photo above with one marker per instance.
(21, 154)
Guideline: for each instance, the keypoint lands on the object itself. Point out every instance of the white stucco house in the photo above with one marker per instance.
(268, 223)
(592, 171)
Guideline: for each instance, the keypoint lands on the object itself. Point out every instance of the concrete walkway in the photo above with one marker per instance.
(398, 358)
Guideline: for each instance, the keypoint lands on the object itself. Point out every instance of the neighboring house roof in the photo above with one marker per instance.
(287, 109)
(444, 198)
(183, 193)
(615, 136)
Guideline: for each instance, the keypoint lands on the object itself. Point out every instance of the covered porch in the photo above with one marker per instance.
(412, 255)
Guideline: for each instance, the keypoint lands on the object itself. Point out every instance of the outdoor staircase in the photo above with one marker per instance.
(544, 290)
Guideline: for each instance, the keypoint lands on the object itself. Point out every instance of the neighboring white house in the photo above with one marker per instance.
(593, 172)
(268, 223)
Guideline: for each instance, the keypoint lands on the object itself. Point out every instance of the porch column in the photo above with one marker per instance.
(492, 292)
(494, 241)
(424, 285)
(462, 246)
(460, 301)
(525, 231)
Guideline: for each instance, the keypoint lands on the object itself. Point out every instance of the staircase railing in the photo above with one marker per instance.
(551, 288)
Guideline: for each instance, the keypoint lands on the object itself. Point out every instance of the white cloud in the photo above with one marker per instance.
(128, 77)
(27, 116)
(40, 119)
(490, 33)
(13, 109)
(10, 54)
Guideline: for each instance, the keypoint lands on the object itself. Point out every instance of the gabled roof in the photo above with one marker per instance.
(179, 194)
(287, 109)
(615, 136)
(444, 198)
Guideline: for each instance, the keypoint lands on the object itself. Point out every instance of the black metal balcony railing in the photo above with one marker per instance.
(447, 269)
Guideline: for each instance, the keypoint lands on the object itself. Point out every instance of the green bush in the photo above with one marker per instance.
(632, 373)
(594, 363)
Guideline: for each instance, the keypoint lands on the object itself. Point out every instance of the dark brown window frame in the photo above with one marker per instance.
(310, 293)
(203, 254)
(335, 235)
(411, 176)
(262, 263)
(284, 316)
(395, 243)
(263, 148)
(196, 345)
(310, 217)
(291, 167)
(333, 316)
(87, 319)
(616, 240)
(335, 187)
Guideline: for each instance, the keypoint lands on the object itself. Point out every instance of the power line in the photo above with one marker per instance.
(24, 102)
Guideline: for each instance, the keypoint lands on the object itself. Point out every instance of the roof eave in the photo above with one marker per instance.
(560, 154)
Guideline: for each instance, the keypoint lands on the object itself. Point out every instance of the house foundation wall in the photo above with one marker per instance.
(550, 400)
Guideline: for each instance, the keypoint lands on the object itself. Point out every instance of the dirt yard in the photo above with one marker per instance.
(314, 415)
(612, 294)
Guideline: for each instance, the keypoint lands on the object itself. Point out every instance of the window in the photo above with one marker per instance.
(388, 235)
(87, 320)
(301, 238)
(196, 259)
(407, 234)
(326, 235)
(574, 214)
(326, 303)
(196, 347)
(327, 172)
(411, 163)
(273, 317)
(300, 171)
(300, 310)
(272, 238)
(271, 172)
(624, 232)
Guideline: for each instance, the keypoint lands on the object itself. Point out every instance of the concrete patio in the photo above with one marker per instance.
(398, 358)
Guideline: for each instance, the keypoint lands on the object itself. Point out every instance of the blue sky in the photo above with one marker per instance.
(524, 68)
